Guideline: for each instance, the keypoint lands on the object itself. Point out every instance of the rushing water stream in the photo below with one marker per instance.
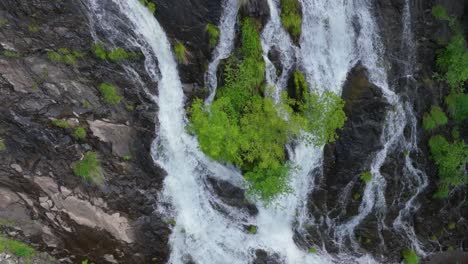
(336, 36)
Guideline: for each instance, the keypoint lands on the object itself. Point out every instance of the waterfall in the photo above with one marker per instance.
(336, 35)
(225, 44)
(414, 179)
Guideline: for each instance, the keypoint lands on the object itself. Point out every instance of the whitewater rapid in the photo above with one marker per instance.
(329, 47)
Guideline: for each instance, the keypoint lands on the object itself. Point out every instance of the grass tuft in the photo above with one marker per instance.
(79, 133)
(89, 168)
(366, 176)
(60, 123)
(435, 118)
(213, 34)
(110, 94)
(181, 53)
(16, 248)
(291, 17)
(410, 257)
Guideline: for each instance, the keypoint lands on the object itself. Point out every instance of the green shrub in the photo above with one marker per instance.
(453, 61)
(457, 104)
(410, 257)
(64, 55)
(438, 11)
(60, 123)
(2, 145)
(110, 94)
(366, 176)
(16, 248)
(11, 54)
(79, 133)
(248, 130)
(450, 159)
(181, 53)
(253, 230)
(312, 250)
(291, 17)
(33, 28)
(300, 86)
(89, 168)
(99, 51)
(118, 54)
(213, 34)
(434, 118)
(151, 6)
(127, 157)
(130, 107)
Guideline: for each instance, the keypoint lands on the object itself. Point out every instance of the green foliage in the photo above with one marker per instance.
(453, 61)
(151, 6)
(33, 28)
(3, 22)
(438, 11)
(60, 123)
(63, 55)
(300, 86)
(213, 34)
(291, 17)
(253, 230)
(119, 54)
(250, 131)
(452, 226)
(410, 257)
(181, 53)
(16, 248)
(110, 94)
(11, 54)
(2, 145)
(457, 104)
(89, 168)
(450, 159)
(434, 118)
(99, 50)
(79, 133)
(86, 262)
(127, 157)
(366, 176)
(312, 250)
(130, 107)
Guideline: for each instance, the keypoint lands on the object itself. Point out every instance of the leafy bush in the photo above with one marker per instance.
(438, 11)
(60, 123)
(410, 257)
(11, 54)
(251, 131)
(110, 94)
(151, 6)
(366, 176)
(213, 34)
(453, 61)
(451, 159)
(300, 86)
(312, 250)
(457, 104)
(291, 17)
(79, 133)
(99, 50)
(65, 56)
(118, 54)
(16, 248)
(253, 229)
(89, 168)
(434, 118)
(2, 145)
(181, 53)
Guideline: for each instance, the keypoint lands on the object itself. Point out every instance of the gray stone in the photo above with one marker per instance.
(119, 136)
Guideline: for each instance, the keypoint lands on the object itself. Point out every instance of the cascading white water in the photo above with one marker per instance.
(274, 36)
(225, 45)
(416, 180)
(336, 36)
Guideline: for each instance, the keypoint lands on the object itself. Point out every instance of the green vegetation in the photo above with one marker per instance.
(60, 123)
(89, 168)
(457, 104)
(250, 131)
(33, 28)
(86, 262)
(452, 226)
(451, 159)
(110, 94)
(16, 248)
(130, 107)
(366, 176)
(2, 145)
(434, 119)
(438, 11)
(291, 17)
(63, 55)
(79, 133)
(312, 250)
(151, 6)
(181, 53)
(300, 85)
(253, 230)
(99, 50)
(213, 34)
(127, 157)
(3, 22)
(11, 54)
(410, 257)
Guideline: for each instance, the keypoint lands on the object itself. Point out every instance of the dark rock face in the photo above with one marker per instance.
(351, 154)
